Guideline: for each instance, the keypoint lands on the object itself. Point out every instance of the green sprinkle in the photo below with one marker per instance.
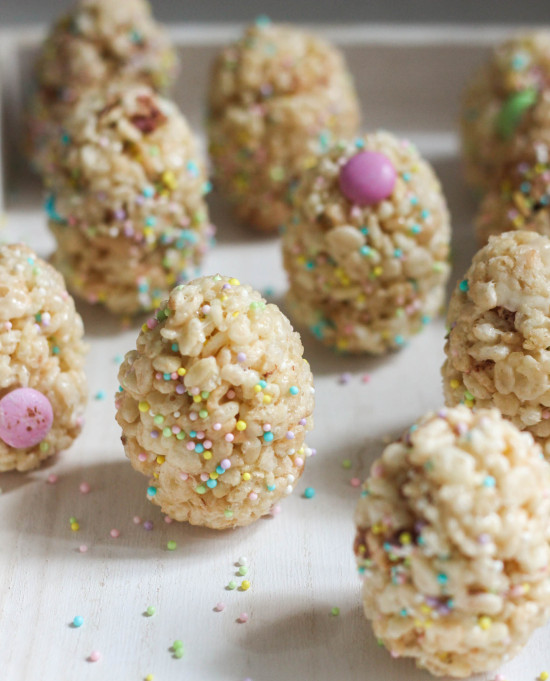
(151, 610)
(335, 612)
(232, 585)
(243, 570)
(159, 419)
(177, 644)
(346, 463)
(512, 111)
(179, 653)
(228, 513)
(201, 489)
(44, 446)
(167, 432)
(468, 395)
(171, 546)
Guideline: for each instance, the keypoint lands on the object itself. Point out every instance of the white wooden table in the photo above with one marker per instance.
(300, 563)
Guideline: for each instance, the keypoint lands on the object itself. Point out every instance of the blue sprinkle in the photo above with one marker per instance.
(464, 286)
(175, 347)
(271, 488)
(211, 483)
(78, 621)
(262, 384)
(359, 143)
(365, 250)
(309, 492)
(416, 229)
(199, 448)
(406, 177)
(489, 481)
(193, 168)
(399, 340)
(207, 187)
(166, 377)
(148, 192)
(263, 21)
(193, 433)
(425, 214)
(268, 437)
(525, 187)
(151, 491)
(49, 207)
(150, 221)
(65, 139)
(442, 578)
(294, 390)
(100, 395)
(220, 470)
(397, 253)
(403, 612)
(364, 230)
(414, 200)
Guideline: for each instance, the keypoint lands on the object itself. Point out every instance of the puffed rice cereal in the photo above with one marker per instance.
(215, 404)
(453, 542)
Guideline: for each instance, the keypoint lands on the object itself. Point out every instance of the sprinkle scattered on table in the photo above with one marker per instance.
(309, 492)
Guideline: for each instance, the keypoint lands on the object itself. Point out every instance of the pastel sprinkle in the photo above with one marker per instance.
(309, 492)
(464, 286)
(95, 656)
(232, 585)
(243, 618)
(84, 487)
(151, 610)
(219, 607)
(245, 585)
(78, 621)
(171, 545)
(114, 533)
(335, 612)
(294, 390)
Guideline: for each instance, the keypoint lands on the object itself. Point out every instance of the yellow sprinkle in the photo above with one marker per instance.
(75, 527)
(418, 623)
(246, 476)
(485, 622)
(342, 344)
(182, 371)
(214, 476)
(144, 328)
(377, 528)
(207, 455)
(197, 398)
(245, 585)
(405, 538)
(236, 313)
(267, 399)
(156, 475)
(428, 624)
(257, 388)
(469, 403)
(223, 297)
(454, 383)
(543, 676)
(234, 282)
(241, 425)
(362, 548)
(144, 406)
(169, 179)
(526, 587)
(160, 459)
(149, 677)
(377, 271)
(425, 609)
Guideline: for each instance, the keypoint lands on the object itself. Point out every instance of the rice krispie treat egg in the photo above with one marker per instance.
(215, 403)
(498, 346)
(43, 389)
(453, 542)
(506, 106)
(127, 206)
(94, 43)
(277, 97)
(521, 197)
(367, 248)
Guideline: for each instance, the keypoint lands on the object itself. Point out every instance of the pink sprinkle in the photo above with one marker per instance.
(193, 416)
(148, 525)
(95, 656)
(377, 471)
(137, 520)
(195, 390)
(230, 394)
(275, 510)
(500, 677)
(355, 482)
(290, 435)
(298, 462)
(114, 533)
(174, 375)
(190, 446)
(158, 376)
(204, 477)
(200, 435)
(151, 323)
(243, 617)
(217, 426)
(207, 444)
(184, 476)
(225, 464)
(219, 607)
(84, 487)
(229, 437)
(546, 414)
(253, 496)
(176, 430)
(266, 427)
(205, 309)
(303, 422)
(8, 325)
(52, 478)
(83, 548)
(168, 520)
(180, 389)
(365, 378)
(142, 456)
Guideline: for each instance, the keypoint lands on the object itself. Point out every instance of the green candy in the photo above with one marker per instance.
(512, 111)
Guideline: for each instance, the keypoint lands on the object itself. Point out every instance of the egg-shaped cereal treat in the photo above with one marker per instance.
(127, 207)
(506, 106)
(43, 389)
(453, 542)
(94, 43)
(366, 251)
(498, 346)
(521, 197)
(277, 97)
(215, 403)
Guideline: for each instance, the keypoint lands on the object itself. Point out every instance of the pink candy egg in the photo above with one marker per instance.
(26, 417)
(367, 178)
